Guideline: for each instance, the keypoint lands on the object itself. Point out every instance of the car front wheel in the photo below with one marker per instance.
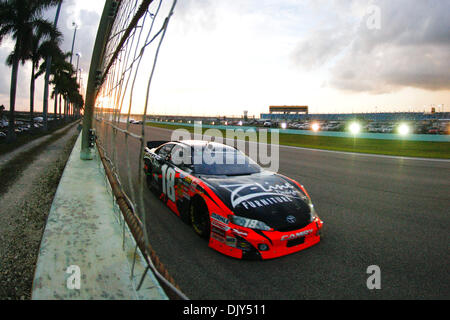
(199, 217)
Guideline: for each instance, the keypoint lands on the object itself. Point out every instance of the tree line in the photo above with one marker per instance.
(37, 40)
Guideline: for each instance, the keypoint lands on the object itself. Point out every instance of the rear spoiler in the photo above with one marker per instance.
(155, 144)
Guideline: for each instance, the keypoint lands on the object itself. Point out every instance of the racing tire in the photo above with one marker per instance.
(149, 178)
(199, 218)
(185, 215)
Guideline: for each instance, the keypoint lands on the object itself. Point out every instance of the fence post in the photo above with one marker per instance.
(104, 29)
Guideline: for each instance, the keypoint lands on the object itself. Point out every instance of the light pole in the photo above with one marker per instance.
(78, 61)
(79, 86)
(73, 40)
(71, 56)
(78, 54)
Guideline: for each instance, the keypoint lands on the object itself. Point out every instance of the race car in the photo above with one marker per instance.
(243, 211)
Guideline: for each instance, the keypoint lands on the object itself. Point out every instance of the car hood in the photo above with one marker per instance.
(266, 197)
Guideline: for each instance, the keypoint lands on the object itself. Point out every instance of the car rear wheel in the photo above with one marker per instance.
(199, 218)
(149, 177)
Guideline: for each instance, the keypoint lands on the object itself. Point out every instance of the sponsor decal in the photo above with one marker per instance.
(239, 232)
(215, 216)
(243, 245)
(217, 237)
(220, 225)
(253, 195)
(179, 191)
(186, 194)
(291, 219)
(231, 242)
(184, 183)
(193, 185)
(293, 236)
(218, 231)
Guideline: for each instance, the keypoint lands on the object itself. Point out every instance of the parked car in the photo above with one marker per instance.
(335, 126)
(388, 129)
(433, 130)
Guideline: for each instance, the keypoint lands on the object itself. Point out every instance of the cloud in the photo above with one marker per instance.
(86, 14)
(23, 77)
(319, 48)
(389, 68)
(411, 49)
(252, 53)
(196, 15)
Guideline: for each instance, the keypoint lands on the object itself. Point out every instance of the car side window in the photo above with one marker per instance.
(164, 151)
(180, 156)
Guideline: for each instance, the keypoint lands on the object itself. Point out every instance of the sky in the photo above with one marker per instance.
(336, 56)
(86, 14)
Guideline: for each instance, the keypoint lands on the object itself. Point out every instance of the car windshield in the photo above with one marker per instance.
(223, 161)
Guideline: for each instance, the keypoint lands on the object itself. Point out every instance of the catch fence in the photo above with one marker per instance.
(129, 40)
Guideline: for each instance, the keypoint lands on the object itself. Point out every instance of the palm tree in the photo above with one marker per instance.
(47, 73)
(19, 19)
(64, 79)
(61, 71)
(74, 95)
(44, 42)
(58, 66)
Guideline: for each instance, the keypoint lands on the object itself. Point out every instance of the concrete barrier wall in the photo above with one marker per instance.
(87, 251)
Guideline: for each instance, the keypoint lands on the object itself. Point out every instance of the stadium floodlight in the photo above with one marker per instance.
(403, 129)
(355, 128)
(284, 125)
(315, 127)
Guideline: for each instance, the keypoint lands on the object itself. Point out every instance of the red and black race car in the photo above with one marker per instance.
(243, 210)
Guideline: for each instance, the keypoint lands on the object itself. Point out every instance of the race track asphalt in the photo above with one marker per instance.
(385, 211)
